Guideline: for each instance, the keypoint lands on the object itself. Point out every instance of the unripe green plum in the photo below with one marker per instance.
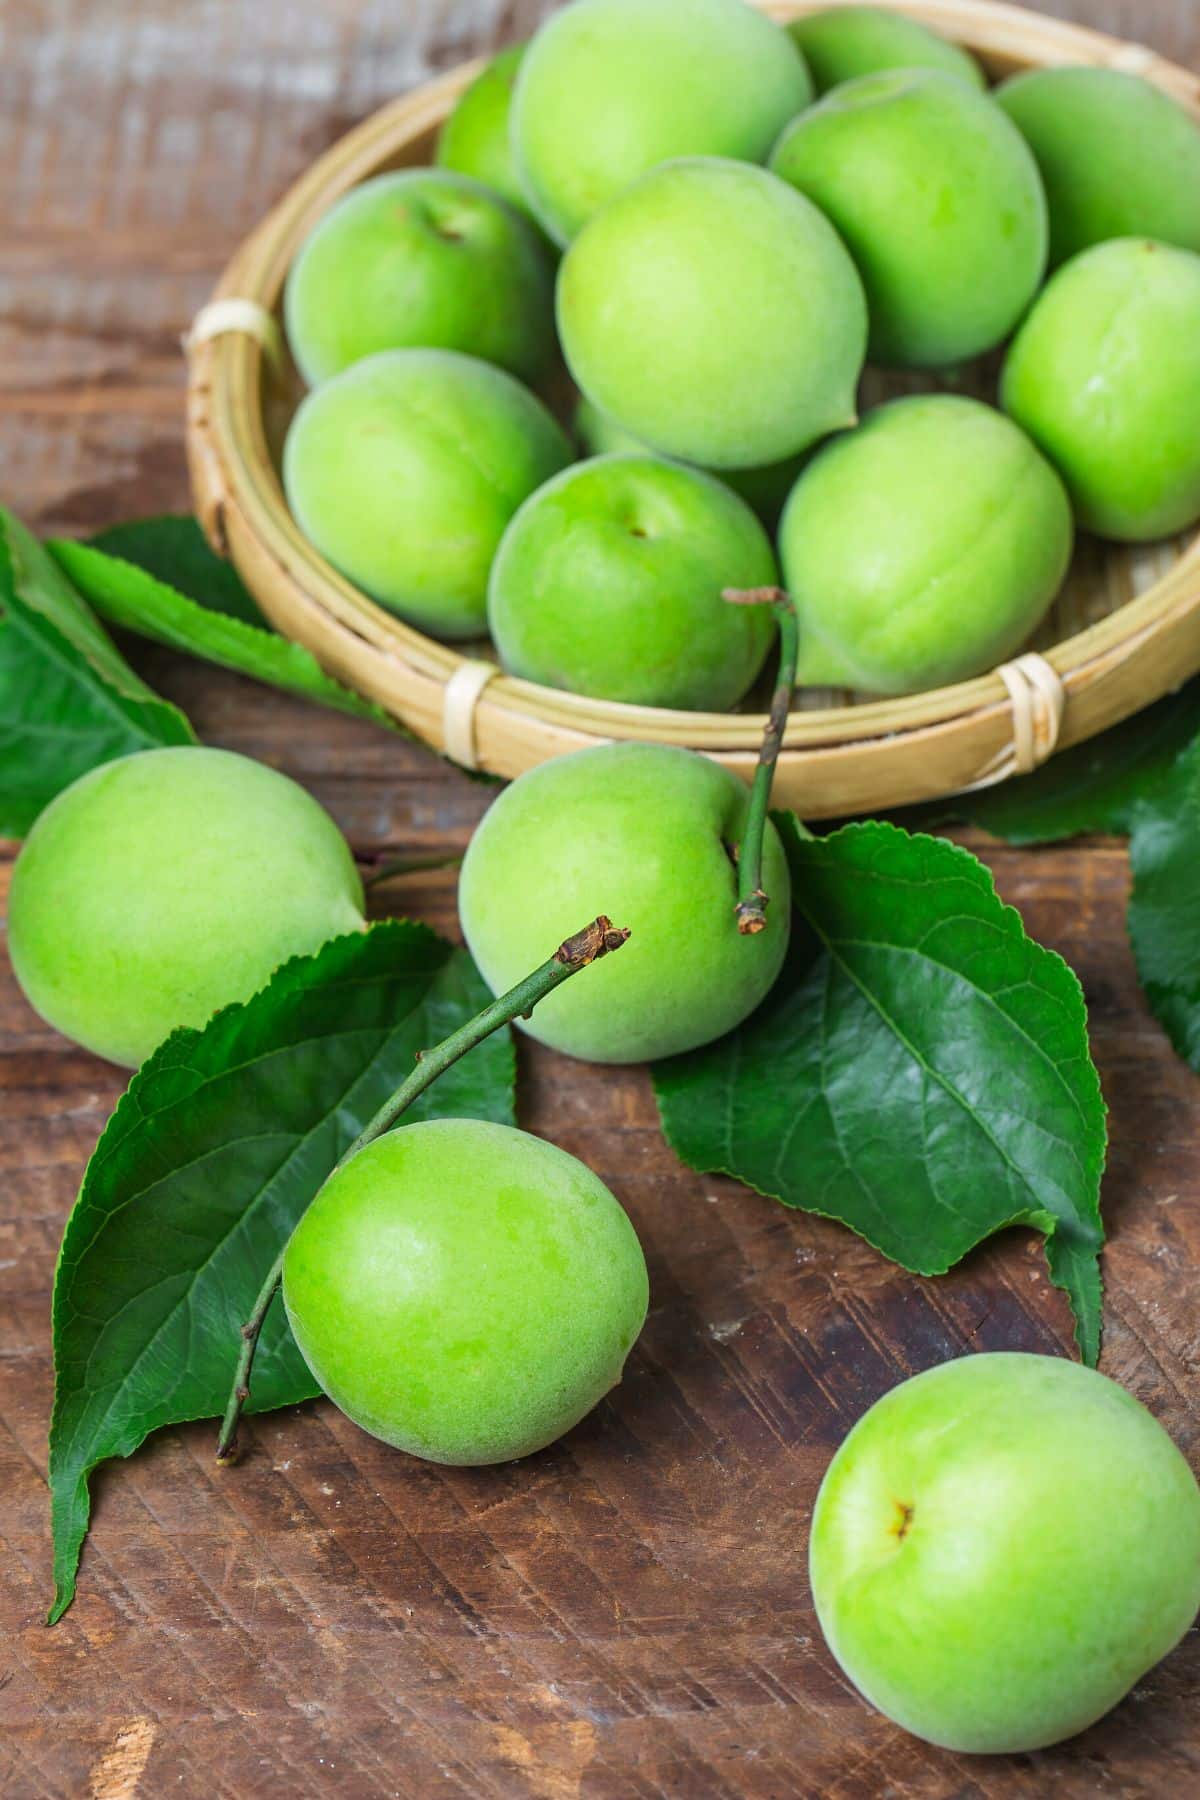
(611, 88)
(1104, 375)
(923, 547)
(939, 202)
(421, 258)
(1001, 1548)
(608, 582)
(160, 887)
(764, 489)
(714, 312)
(405, 470)
(645, 833)
(464, 1291)
(475, 138)
(1119, 158)
(847, 41)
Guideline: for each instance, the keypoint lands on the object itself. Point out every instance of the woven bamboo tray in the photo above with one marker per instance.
(1125, 631)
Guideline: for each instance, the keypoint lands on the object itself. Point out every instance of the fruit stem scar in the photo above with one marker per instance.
(751, 908)
(598, 939)
(903, 1519)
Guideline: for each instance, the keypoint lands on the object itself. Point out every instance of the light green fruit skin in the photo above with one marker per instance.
(1104, 375)
(923, 547)
(421, 258)
(764, 489)
(405, 470)
(160, 887)
(714, 313)
(1118, 157)
(939, 202)
(640, 832)
(464, 1291)
(611, 88)
(609, 579)
(848, 41)
(1052, 1556)
(475, 138)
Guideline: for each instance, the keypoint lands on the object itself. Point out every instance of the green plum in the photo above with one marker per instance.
(160, 887)
(404, 471)
(647, 833)
(713, 312)
(1001, 1548)
(421, 259)
(1119, 158)
(764, 489)
(939, 202)
(1104, 375)
(847, 41)
(464, 1291)
(475, 138)
(609, 579)
(611, 88)
(923, 547)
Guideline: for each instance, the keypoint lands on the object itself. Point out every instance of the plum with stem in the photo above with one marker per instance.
(460, 1289)
(653, 832)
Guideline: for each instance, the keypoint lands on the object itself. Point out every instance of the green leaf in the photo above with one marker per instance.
(920, 1072)
(176, 552)
(213, 1153)
(1092, 787)
(68, 701)
(1164, 907)
(132, 597)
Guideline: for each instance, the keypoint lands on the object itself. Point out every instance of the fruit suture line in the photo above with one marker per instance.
(752, 902)
(596, 940)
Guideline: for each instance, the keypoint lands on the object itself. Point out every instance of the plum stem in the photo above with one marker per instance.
(598, 939)
(751, 907)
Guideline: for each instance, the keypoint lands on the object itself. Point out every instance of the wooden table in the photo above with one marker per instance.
(627, 1615)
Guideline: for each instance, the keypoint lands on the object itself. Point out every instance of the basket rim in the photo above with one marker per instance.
(234, 477)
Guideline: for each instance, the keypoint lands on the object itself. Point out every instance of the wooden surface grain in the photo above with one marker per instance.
(626, 1615)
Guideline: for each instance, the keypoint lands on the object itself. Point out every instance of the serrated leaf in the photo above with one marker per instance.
(920, 1072)
(217, 1147)
(1164, 906)
(174, 549)
(68, 700)
(1097, 786)
(142, 589)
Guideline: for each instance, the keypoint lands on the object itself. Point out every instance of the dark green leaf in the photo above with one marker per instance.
(1164, 907)
(920, 1072)
(1095, 786)
(176, 552)
(68, 701)
(219, 1144)
(127, 596)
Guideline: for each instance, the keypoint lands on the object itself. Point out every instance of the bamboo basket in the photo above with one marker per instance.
(1125, 631)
